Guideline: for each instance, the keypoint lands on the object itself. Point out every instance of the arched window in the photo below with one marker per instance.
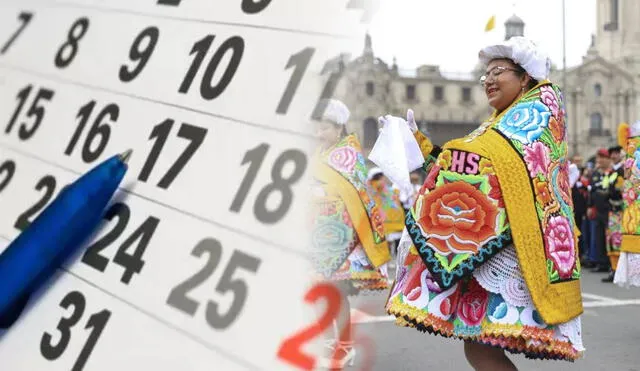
(597, 89)
(595, 126)
(369, 88)
(370, 132)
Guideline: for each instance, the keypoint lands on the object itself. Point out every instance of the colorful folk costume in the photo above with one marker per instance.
(614, 223)
(489, 253)
(389, 199)
(348, 237)
(628, 272)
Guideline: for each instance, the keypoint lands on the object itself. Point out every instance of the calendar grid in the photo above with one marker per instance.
(218, 350)
(192, 20)
(206, 231)
(151, 100)
(285, 249)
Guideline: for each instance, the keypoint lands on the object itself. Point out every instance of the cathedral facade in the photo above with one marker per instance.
(599, 93)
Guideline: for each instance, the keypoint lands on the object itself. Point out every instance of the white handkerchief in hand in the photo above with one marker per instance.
(396, 151)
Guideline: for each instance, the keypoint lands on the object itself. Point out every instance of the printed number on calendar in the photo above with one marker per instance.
(248, 6)
(24, 18)
(149, 36)
(99, 129)
(141, 236)
(300, 61)
(234, 44)
(35, 113)
(179, 296)
(46, 184)
(96, 323)
(279, 182)
(7, 170)
(290, 350)
(68, 50)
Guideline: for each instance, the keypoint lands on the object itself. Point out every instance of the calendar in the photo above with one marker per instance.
(201, 261)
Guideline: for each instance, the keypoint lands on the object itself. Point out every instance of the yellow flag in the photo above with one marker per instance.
(491, 23)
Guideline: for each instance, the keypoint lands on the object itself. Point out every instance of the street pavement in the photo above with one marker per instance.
(610, 333)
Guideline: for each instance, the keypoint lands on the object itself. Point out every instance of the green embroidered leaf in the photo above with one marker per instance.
(519, 146)
(552, 273)
(539, 210)
(554, 276)
(575, 274)
(549, 267)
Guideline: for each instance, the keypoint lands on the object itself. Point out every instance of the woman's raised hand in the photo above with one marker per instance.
(411, 121)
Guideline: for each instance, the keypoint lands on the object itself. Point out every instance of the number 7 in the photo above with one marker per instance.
(25, 17)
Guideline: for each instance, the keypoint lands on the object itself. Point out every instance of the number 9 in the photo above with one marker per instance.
(136, 54)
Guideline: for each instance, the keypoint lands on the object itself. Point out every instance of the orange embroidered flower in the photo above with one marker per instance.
(542, 191)
(557, 128)
(458, 218)
(496, 192)
(377, 220)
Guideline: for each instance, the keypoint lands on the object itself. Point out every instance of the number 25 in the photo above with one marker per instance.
(178, 297)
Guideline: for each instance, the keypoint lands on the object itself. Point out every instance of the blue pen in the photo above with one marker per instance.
(33, 257)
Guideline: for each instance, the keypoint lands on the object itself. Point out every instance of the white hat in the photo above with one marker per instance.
(523, 52)
(634, 129)
(373, 172)
(336, 112)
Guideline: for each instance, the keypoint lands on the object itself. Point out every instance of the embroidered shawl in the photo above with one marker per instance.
(505, 183)
(343, 172)
(631, 198)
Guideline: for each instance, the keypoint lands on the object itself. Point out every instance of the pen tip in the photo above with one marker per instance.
(124, 156)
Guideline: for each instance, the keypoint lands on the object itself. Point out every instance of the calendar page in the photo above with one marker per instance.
(201, 260)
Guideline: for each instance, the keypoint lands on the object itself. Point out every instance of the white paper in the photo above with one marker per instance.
(397, 152)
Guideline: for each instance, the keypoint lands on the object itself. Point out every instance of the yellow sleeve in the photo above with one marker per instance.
(425, 144)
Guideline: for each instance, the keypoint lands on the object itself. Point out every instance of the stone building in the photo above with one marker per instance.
(599, 94)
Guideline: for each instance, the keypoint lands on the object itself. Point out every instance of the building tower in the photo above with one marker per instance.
(514, 26)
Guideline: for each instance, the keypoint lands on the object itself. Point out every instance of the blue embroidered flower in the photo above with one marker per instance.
(330, 245)
(497, 307)
(636, 155)
(525, 122)
(331, 234)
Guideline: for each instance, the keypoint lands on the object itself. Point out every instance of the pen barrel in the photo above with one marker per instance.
(65, 225)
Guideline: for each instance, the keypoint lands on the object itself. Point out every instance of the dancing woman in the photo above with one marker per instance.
(489, 253)
(348, 236)
(628, 272)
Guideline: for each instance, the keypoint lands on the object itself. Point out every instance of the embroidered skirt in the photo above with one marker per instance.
(628, 272)
(493, 307)
(357, 275)
(337, 253)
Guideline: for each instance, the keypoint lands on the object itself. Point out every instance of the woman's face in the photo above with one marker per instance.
(502, 84)
(328, 133)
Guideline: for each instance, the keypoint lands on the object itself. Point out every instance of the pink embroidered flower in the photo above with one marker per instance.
(560, 245)
(616, 239)
(343, 159)
(473, 304)
(630, 195)
(548, 97)
(346, 218)
(537, 157)
(628, 163)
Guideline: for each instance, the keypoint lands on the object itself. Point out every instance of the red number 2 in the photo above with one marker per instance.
(290, 350)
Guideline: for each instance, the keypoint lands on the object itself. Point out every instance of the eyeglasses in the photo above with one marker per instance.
(494, 73)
